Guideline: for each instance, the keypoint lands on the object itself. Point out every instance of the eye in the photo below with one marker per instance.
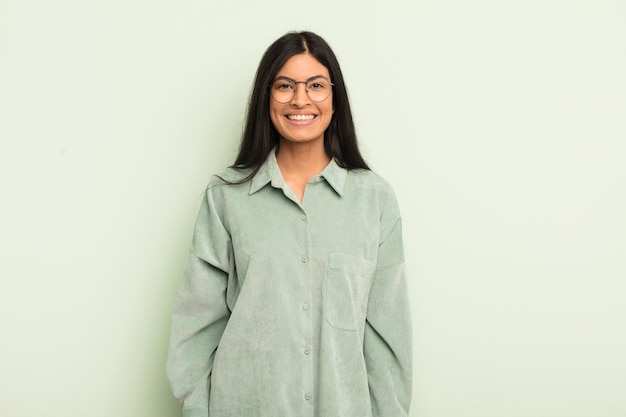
(316, 85)
(283, 86)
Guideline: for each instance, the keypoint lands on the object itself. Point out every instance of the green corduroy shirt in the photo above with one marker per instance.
(294, 309)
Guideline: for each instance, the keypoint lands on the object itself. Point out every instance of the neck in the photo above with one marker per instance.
(301, 161)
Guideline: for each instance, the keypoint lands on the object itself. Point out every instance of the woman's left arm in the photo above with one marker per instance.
(387, 343)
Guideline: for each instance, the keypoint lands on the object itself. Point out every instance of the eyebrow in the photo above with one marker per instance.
(282, 77)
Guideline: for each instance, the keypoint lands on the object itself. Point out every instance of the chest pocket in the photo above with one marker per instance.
(348, 280)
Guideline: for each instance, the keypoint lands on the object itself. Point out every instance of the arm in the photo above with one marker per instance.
(200, 314)
(387, 341)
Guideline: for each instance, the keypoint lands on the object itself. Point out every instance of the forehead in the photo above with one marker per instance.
(302, 67)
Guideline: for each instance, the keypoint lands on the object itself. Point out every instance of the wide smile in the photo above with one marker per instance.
(301, 118)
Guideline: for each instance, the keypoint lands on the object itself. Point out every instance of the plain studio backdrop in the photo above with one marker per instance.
(500, 124)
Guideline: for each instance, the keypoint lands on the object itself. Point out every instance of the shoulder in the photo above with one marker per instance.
(369, 181)
(226, 185)
(376, 190)
(228, 176)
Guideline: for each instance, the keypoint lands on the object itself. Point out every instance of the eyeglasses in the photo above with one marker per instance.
(318, 88)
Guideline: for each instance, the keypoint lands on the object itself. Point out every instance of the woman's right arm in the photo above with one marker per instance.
(200, 314)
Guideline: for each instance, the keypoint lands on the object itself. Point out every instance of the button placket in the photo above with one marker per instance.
(306, 307)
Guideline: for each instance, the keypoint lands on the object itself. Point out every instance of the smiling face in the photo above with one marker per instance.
(301, 119)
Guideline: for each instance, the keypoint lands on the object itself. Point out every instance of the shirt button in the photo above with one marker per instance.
(305, 306)
(304, 259)
(308, 396)
(307, 351)
(303, 217)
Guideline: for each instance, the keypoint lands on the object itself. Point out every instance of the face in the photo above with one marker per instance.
(301, 119)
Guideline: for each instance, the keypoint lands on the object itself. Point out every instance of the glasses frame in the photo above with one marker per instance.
(296, 86)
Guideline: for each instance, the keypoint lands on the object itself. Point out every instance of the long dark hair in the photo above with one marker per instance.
(260, 136)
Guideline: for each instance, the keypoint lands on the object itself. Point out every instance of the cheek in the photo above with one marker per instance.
(330, 112)
(274, 117)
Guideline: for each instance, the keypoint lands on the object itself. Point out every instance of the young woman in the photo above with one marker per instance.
(294, 302)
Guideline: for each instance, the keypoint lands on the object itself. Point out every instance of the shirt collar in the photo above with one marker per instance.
(335, 176)
(269, 172)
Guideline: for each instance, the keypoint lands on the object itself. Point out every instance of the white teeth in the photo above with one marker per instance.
(301, 117)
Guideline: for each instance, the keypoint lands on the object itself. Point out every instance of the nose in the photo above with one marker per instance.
(300, 95)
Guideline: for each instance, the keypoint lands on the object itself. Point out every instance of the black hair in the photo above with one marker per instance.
(260, 136)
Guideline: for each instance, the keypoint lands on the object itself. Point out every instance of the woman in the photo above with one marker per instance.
(293, 301)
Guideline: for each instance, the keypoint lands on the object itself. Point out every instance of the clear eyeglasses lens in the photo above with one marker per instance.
(318, 89)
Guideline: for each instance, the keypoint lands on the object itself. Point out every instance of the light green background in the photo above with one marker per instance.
(501, 125)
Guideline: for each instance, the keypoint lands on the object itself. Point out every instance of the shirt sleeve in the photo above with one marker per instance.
(200, 313)
(387, 345)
